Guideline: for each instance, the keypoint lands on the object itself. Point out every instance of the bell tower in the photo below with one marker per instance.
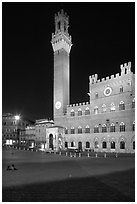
(61, 43)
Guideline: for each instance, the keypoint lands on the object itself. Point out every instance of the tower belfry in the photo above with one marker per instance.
(61, 43)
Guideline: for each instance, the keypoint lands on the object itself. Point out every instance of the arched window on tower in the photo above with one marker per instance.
(79, 130)
(79, 112)
(96, 129)
(72, 113)
(122, 127)
(87, 129)
(96, 110)
(112, 107)
(104, 128)
(112, 127)
(133, 103)
(87, 111)
(104, 108)
(122, 105)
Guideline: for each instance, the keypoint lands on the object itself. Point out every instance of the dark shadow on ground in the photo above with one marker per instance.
(105, 188)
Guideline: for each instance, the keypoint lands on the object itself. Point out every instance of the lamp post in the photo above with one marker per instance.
(17, 118)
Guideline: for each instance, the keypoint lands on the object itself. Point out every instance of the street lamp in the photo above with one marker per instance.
(17, 118)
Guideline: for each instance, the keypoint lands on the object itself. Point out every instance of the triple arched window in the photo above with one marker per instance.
(122, 106)
(72, 130)
(87, 129)
(79, 112)
(104, 128)
(112, 107)
(96, 129)
(72, 113)
(87, 111)
(122, 127)
(112, 127)
(79, 130)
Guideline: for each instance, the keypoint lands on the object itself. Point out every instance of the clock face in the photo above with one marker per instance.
(58, 105)
(107, 91)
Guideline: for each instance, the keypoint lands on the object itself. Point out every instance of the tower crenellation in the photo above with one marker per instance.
(125, 69)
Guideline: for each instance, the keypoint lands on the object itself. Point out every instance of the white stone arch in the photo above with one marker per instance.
(121, 102)
(104, 139)
(122, 138)
(87, 108)
(87, 126)
(72, 110)
(79, 109)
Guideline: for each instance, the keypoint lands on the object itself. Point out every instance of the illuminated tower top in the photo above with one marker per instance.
(61, 38)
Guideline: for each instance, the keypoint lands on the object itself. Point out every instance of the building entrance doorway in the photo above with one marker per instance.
(51, 141)
(80, 146)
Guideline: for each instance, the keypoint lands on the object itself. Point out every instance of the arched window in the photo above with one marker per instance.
(122, 145)
(121, 106)
(121, 89)
(133, 144)
(133, 126)
(72, 144)
(87, 145)
(96, 145)
(112, 145)
(104, 128)
(72, 113)
(72, 130)
(96, 110)
(80, 146)
(87, 111)
(133, 103)
(104, 108)
(112, 107)
(79, 112)
(112, 127)
(122, 127)
(96, 129)
(87, 129)
(79, 130)
(104, 145)
(66, 130)
(66, 144)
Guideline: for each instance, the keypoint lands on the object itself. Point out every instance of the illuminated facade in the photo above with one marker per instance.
(107, 121)
(13, 129)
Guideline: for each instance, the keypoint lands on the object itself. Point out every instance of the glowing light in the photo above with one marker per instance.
(17, 117)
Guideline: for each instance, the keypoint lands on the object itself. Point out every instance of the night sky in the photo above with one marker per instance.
(103, 37)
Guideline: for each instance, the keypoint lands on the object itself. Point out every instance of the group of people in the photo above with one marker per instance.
(11, 167)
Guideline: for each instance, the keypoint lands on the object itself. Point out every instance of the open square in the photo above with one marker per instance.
(45, 177)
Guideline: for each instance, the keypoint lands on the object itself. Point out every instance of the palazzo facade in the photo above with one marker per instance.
(107, 121)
